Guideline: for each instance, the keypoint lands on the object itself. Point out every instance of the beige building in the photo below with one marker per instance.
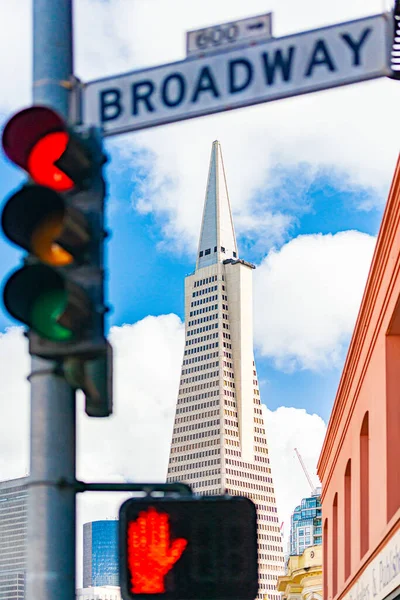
(219, 442)
(303, 579)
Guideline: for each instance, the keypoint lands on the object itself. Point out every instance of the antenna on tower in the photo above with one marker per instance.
(306, 473)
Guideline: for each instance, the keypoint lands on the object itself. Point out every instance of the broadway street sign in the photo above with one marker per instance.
(279, 68)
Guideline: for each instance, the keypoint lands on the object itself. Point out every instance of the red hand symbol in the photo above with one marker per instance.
(150, 553)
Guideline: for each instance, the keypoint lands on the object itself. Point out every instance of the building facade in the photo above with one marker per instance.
(100, 554)
(219, 442)
(359, 465)
(303, 578)
(306, 524)
(106, 592)
(13, 525)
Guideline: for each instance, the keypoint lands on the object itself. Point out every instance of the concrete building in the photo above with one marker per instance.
(306, 524)
(13, 524)
(359, 465)
(106, 592)
(219, 441)
(100, 554)
(303, 579)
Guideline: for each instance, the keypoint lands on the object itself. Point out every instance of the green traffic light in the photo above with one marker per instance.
(53, 307)
(46, 310)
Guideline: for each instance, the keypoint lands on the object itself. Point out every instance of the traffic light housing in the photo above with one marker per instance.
(188, 548)
(57, 217)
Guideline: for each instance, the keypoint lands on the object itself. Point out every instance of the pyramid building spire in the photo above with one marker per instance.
(217, 237)
(219, 442)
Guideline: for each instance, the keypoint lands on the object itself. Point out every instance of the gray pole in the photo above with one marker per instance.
(51, 509)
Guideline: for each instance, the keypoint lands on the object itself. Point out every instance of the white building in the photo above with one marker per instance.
(106, 592)
(219, 442)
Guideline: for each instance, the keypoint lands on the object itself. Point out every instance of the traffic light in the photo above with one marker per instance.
(188, 548)
(58, 218)
(395, 50)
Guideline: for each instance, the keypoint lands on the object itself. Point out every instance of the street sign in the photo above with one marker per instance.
(288, 66)
(229, 35)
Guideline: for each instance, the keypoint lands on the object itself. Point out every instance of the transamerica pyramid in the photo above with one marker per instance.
(219, 443)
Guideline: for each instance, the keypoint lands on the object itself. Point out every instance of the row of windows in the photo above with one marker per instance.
(196, 465)
(201, 367)
(252, 486)
(227, 354)
(204, 300)
(205, 385)
(195, 436)
(210, 279)
(195, 446)
(259, 430)
(199, 475)
(201, 454)
(201, 376)
(185, 409)
(244, 465)
(202, 338)
(203, 320)
(202, 348)
(208, 251)
(197, 416)
(205, 291)
(195, 388)
(229, 393)
(200, 396)
(202, 329)
(196, 426)
(225, 325)
(200, 311)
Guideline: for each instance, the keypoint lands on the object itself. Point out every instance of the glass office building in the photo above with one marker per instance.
(100, 553)
(13, 524)
(306, 525)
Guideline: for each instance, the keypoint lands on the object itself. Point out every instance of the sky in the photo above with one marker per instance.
(308, 178)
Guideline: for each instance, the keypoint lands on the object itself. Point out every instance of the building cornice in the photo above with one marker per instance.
(363, 340)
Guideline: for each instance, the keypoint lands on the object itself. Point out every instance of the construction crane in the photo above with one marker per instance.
(305, 471)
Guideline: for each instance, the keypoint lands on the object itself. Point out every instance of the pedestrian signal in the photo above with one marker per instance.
(188, 548)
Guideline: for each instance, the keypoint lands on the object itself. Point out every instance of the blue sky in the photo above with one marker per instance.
(135, 250)
(308, 178)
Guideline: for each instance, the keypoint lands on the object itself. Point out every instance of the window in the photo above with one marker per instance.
(215, 248)
(392, 424)
(325, 559)
(234, 254)
(347, 520)
(222, 249)
(334, 545)
(208, 251)
(201, 253)
(364, 486)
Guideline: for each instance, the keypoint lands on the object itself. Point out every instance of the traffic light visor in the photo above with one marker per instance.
(52, 306)
(37, 139)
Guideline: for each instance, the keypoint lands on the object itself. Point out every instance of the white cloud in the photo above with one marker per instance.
(287, 429)
(133, 444)
(349, 129)
(307, 296)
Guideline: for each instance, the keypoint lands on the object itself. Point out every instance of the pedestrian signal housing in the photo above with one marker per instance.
(188, 548)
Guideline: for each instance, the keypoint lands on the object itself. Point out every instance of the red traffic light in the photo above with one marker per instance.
(37, 139)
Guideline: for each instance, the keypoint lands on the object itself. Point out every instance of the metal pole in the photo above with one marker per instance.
(51, 509)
